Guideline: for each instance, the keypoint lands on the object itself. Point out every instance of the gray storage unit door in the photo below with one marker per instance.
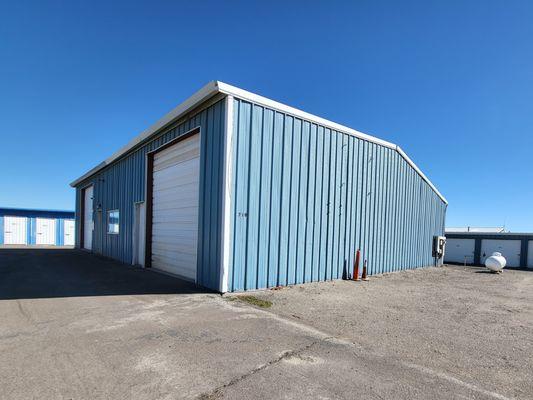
(530, 254)
(175, 204)
(460, 251)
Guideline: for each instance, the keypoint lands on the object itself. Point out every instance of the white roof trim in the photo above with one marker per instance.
(196, 99)
(215, 87)
(260, 100)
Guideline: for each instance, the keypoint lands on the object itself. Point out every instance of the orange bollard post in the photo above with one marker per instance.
(355, 276)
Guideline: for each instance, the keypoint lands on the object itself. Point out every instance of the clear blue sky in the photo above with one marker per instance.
(449, 81)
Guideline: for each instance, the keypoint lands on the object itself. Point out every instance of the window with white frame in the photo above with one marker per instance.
(113, 218)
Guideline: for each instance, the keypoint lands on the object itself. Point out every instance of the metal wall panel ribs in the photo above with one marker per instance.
(306, 197)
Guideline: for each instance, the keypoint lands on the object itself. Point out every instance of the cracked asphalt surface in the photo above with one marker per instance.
(76, 326)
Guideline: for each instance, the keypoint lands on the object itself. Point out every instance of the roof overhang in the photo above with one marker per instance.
(215, 87)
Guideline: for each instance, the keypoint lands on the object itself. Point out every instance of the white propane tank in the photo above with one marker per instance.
(496, 262)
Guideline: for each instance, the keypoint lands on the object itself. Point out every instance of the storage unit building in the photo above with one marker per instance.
(20, 226)
(474, 248)
(238, 192)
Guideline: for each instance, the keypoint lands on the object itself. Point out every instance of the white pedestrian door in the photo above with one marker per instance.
(510, 249)
(15, 230)
(176, 177)
(88, 223)
(68, 233)
(45, 231)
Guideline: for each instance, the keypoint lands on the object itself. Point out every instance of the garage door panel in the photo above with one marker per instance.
(184, 259)
(167, 199)
(510, 249)
(182, 159)
(184, 168)
(185, 182)
(177, 216)
(459, 251)
(171, 215)
(169, 248)
(171, 205)
(177, 239)
(176, 156)
(175, 236)
(173, 228)
(181, 218)
(15, 230)
(68, 238)
(45, 231)
(186, 145)
(175, 208)
(174, 196)
(178, 192)
(183, 267)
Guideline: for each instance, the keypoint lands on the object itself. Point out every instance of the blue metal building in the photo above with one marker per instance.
(20, 226)
(238, 192)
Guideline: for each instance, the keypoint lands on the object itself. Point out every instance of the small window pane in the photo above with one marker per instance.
(113, 218)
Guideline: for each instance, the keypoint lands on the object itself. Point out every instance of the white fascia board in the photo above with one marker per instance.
(260, 100)
(196, 99)
(263, 101)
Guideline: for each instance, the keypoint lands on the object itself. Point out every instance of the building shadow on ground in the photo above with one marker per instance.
(48, 273)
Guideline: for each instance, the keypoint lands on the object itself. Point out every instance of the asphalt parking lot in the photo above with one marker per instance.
(76, 326)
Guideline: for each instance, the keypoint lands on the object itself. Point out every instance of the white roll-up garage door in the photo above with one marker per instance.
(176, 177)
(459, 251)
(68, 234)
(15, 230)
(510, 249)
(45, 231)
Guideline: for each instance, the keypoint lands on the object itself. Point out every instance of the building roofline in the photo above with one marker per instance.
(35, 209)
(33, 212)
(484, 234)
(214, 87)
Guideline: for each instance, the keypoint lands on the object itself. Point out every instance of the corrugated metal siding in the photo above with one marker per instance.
(123, 183)
(31, 231)
(305, 198)
(60, 231)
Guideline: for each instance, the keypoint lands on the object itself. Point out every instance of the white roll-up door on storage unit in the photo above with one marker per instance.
(510, 249)
(460, 251)
(68, 233)
(45, 231)
(15, 230)
(176, 177)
